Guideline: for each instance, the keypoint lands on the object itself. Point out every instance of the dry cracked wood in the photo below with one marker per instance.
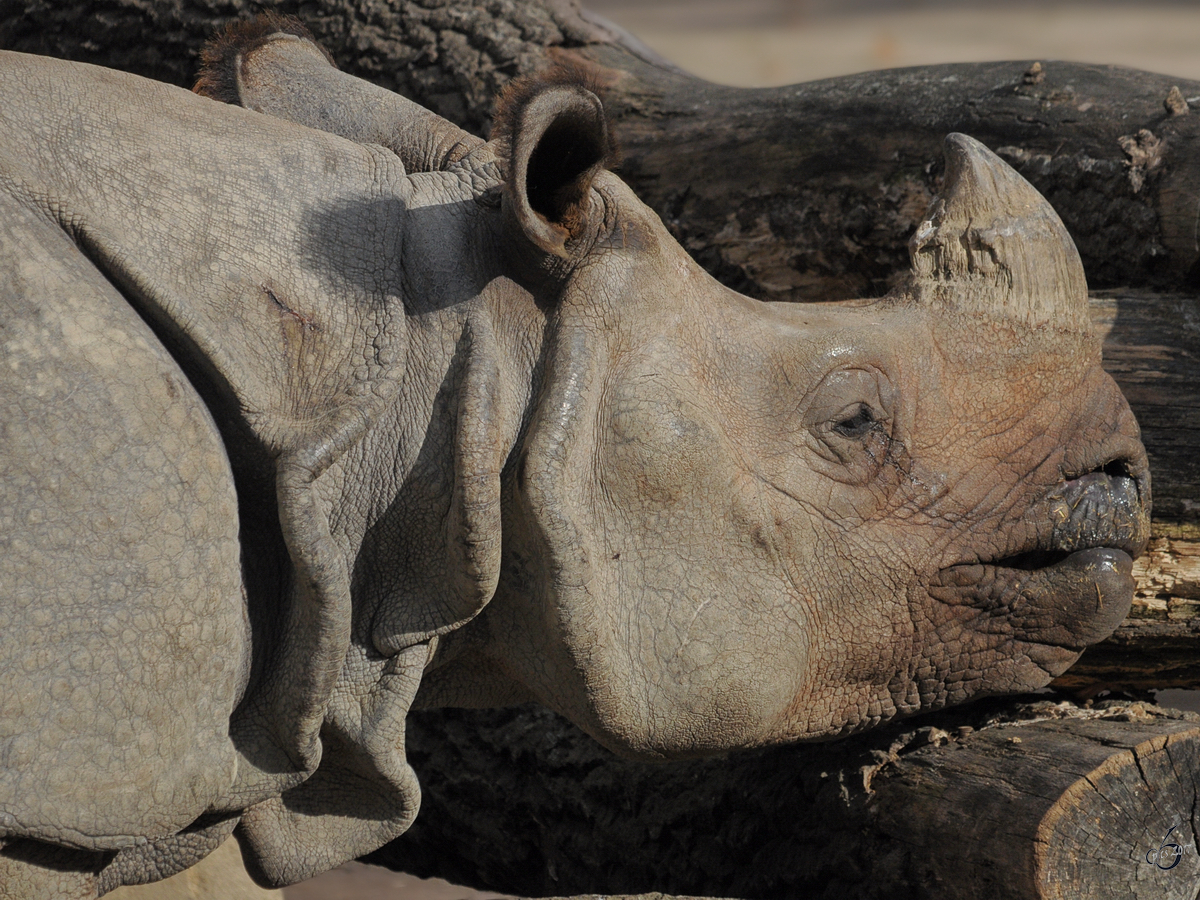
(1152, 349)
(1014, 800)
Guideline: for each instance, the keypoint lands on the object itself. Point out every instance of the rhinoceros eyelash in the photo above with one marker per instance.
(858, 425)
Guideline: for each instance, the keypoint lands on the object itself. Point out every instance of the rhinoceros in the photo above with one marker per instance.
(304, 429)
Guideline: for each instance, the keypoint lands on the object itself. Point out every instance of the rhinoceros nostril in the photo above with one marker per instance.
(1103, 508)
(1117, 468)
(1136, 473)
(1121, 469)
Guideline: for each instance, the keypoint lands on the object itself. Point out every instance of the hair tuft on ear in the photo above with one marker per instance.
(517, 95)
(221, 55)
(551, 138)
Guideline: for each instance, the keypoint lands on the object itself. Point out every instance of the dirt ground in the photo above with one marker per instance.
(769, 42)
(356, 881)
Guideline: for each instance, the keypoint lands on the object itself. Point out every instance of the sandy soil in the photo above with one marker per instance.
(356, 881)
(221, 876)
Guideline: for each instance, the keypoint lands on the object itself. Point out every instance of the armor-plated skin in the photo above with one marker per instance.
(307, 431)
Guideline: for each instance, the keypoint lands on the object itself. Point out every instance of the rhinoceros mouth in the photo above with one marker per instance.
(1073, 585)
(1104, 508)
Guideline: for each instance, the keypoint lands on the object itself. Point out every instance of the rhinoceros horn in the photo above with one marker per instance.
(992, 246)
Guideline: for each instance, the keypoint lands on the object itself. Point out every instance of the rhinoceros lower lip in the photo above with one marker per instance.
(1068, 599)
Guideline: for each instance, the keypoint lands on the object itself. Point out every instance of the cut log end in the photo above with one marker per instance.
(1068, 804)
(1126, 828)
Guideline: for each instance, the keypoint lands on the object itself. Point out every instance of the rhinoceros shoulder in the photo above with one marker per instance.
(122, 591)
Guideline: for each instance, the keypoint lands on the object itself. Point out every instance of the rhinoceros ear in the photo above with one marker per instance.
(224, 55)
(991, 245)
(552, 137)
(272, 64)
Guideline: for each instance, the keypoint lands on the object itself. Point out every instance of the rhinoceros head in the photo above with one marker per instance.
(730, 523)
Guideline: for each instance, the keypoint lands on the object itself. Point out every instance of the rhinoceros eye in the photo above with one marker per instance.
(849, 416)
(858, 424)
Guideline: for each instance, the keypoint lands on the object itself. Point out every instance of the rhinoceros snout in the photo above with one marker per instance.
(1073, 585)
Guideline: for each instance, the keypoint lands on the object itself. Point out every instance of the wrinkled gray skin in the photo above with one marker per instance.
(294, 439)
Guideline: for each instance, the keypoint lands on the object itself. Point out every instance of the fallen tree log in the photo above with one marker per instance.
(998, 800)
(1152, 349)
(801, 192)
(810, 191)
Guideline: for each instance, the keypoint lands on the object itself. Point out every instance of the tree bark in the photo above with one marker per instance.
(1001, 800)
(1152, 350)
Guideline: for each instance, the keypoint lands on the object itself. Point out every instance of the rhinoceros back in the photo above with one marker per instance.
(122, 622)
